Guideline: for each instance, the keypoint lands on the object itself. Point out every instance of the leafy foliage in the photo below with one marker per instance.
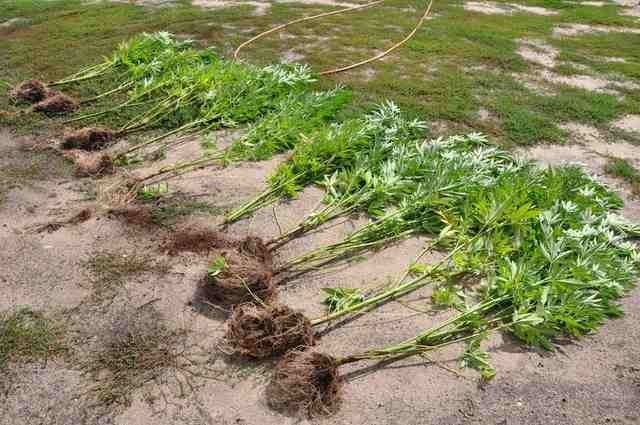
(340, 298)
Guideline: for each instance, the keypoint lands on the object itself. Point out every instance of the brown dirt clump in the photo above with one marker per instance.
(305, 381)
(137, 215)
(30, 91)
(82, 216)
(243, 279)
(91, 165)
(56, 103)
(262, 332)
(256, 247)
(195, 240)
(88, 139)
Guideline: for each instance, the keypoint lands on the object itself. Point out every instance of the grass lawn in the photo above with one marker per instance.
(458, 64)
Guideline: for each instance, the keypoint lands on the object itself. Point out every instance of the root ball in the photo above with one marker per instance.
(30, 91)
(56, 103)
(243, 279)
(88, 139)
(261, 332)
(88, 165)
(255, 246)
(305, 381)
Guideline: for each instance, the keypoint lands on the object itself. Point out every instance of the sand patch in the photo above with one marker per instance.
(630, 123)
(15, 23)
(262, 7)
(292, 56)
(541, 82)
(632, 11)
(573, 30)
(613, 59)
(491, 8)
(582, 133)
(589, 3)
(538, 52)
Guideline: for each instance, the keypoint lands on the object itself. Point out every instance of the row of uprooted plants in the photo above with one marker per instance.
(549, 257)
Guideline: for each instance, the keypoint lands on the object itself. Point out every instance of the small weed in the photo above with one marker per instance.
(110, 270)
(19, 168)
(27, 335)
(138, 348)
(153, 192)
(621, 168)
(166, 213)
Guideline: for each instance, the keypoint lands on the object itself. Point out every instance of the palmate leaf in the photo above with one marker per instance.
(216, 266)
(340, 298)
(475, 358)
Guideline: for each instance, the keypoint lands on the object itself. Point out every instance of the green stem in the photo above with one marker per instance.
(110, 92)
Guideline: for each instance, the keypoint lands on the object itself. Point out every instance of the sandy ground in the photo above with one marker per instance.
(596, 381)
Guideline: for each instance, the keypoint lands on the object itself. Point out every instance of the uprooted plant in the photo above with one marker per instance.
(554, 261)
(454, 168)
(363, 141)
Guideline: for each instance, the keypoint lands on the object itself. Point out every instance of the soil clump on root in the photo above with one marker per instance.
(305, 381)
(55, 104)
(260, 332)
(244, 278)
(88, 139)
(92, 165)
(255, 246)
(136, 215)
(30, 91)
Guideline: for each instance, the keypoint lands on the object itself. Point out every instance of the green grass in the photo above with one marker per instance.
(441, 74)
(623, 169)
(27, 335)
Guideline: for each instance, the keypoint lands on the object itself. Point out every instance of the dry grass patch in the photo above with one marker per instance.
(110, 271)
(136, 349)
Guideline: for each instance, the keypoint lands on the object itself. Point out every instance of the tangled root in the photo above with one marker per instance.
(88, 139)
(255, 246)
(195, 240)
(243, 279)
(306, 381)
(91, 165)
(30, 91)
(261, 332)
(56, 103)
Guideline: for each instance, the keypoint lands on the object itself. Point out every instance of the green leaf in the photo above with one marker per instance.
(341, 298)
(474, 358)
(216, 266)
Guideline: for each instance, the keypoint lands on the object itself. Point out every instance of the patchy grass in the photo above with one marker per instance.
(135, 350)
(169, 211)
(571, 104)
(21, 168)
(623, 169)
(441, 74)
(28, 335)
(111, 270)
